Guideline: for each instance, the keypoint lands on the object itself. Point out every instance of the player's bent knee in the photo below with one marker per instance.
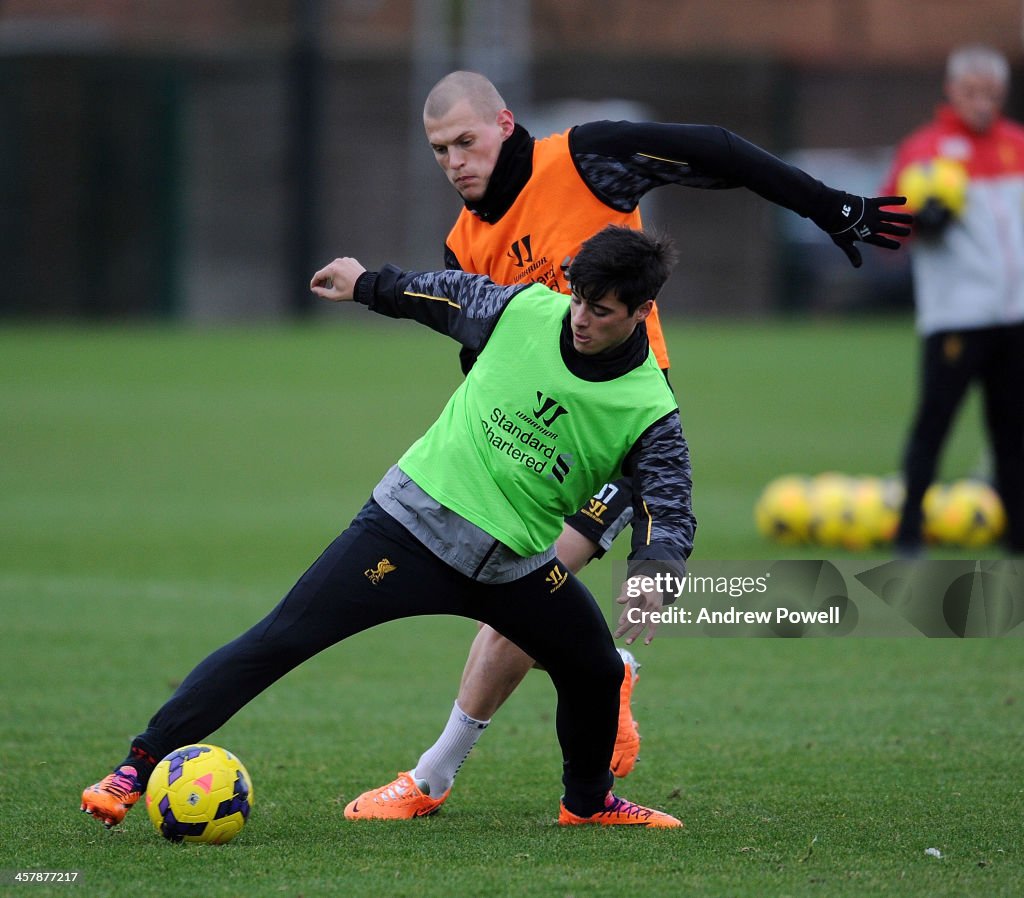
(598, 670)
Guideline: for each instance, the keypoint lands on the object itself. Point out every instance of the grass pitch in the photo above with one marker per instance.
(161, 489)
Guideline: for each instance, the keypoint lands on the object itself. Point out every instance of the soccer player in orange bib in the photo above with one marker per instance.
(529, 205)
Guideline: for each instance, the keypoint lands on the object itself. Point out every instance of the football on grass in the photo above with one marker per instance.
(964, 513)
(199, 793)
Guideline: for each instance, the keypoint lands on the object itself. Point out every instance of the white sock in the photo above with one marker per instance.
(439, 763)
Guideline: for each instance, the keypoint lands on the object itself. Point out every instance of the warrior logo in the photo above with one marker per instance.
(595, 509)
(556, 577)
(521, 251)
(597, 505)
(545, 405)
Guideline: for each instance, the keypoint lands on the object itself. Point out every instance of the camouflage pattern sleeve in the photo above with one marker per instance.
(464, 306)
(622, 161)
(663, 520)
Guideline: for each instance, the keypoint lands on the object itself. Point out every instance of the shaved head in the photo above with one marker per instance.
(474, 88)
(466, 123)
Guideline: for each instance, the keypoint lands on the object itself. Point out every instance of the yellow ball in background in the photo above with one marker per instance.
(874, 512)
(931, 507)
(831, 508)
(783, 510)
(861, 513)
(942, 179)
(964, 513)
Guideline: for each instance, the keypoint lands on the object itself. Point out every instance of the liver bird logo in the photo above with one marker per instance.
(376, 574)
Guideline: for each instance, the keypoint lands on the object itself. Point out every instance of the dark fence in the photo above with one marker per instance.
(211, 187)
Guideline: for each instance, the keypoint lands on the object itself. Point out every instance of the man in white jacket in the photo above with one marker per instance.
(968, 267)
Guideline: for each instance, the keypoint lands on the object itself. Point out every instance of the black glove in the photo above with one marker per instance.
(932, 218)
(851, 218)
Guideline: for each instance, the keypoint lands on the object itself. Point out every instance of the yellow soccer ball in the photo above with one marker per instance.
(199, 793)
(942, 179)
(932, 506)
(831, 508)
(966, 513)
(783, 512)
(874, 512)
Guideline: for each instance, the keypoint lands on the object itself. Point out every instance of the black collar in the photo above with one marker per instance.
(511, 172)
(607, 365)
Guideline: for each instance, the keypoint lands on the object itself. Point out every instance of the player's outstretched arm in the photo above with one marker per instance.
(463, 306)
(622, 161)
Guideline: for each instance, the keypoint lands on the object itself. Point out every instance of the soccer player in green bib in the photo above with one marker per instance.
(565, 396)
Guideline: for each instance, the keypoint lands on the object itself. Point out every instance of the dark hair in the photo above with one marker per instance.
(629, 263)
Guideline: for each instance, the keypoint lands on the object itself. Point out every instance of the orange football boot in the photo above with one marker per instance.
(113, 796)
(401, 799)
(619, 812)
(627, 739)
